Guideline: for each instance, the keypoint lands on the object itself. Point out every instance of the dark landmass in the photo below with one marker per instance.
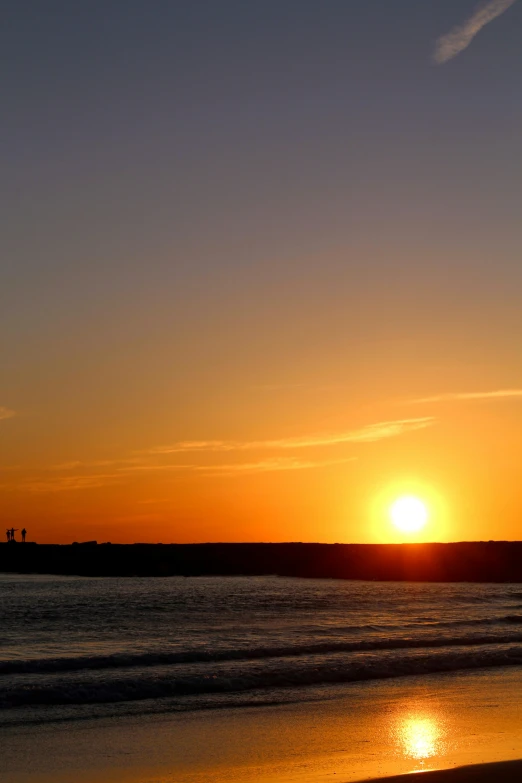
(493, 561)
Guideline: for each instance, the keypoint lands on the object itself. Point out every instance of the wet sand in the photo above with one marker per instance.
(502, 772)
(364, 731)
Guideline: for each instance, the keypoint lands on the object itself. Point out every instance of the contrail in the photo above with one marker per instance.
(458, 39)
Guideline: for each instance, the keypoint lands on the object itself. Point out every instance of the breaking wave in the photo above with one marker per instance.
(161, 684)
(160, 658)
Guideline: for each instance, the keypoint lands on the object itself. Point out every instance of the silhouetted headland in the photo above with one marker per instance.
(493, 561)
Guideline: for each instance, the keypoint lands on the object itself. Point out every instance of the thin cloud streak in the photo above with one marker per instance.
(459, 38)
(269, 466)
(369, 434)
(6, 413)
(261, 466)
(77, 476)
(144, 468)
(94, 481)
(500, 394)
(73, 483)
(97, 463)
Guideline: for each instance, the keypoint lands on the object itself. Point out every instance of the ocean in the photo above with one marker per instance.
(75, 647)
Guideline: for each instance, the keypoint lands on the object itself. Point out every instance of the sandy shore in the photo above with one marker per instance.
(501, 772)
(368, 731)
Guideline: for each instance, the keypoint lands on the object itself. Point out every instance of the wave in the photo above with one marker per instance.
(171, 658)
(509, 619)
(157, 686)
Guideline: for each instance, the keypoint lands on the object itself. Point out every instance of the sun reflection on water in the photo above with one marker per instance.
(420, 736)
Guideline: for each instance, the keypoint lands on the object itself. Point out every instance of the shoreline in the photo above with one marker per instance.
(497, 772)
(436, 726)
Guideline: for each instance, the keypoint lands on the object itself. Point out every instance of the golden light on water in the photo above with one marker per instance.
(420, 735)
(420, 738)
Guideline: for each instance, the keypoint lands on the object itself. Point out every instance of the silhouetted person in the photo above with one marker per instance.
(13, 530)
(8, 534)
(24, 531)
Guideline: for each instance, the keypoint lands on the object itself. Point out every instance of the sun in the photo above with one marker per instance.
(409, 514)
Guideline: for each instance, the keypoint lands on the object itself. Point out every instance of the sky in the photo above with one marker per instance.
(260, 269)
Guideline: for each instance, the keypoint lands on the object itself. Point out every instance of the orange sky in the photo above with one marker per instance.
(332, 480)
(258, 279)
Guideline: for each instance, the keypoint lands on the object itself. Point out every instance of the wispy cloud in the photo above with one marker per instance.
(79, 475)
(500, 394)
(72, 483)
(368, 434)
(269, 465)
(6, 413)
(460, 37)
(97, 463)
(93, 481)
(72, 465)
(275, 387)
(155, 467)
(260, 466)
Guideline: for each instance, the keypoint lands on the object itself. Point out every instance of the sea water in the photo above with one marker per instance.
(76, 647)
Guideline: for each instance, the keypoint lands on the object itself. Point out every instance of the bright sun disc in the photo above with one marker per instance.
(409, 514)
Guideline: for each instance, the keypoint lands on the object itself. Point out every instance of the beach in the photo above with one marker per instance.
(503, 772)
(258, 680)
(349, 733)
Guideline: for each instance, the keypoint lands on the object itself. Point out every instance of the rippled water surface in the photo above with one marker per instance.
(71, 643)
